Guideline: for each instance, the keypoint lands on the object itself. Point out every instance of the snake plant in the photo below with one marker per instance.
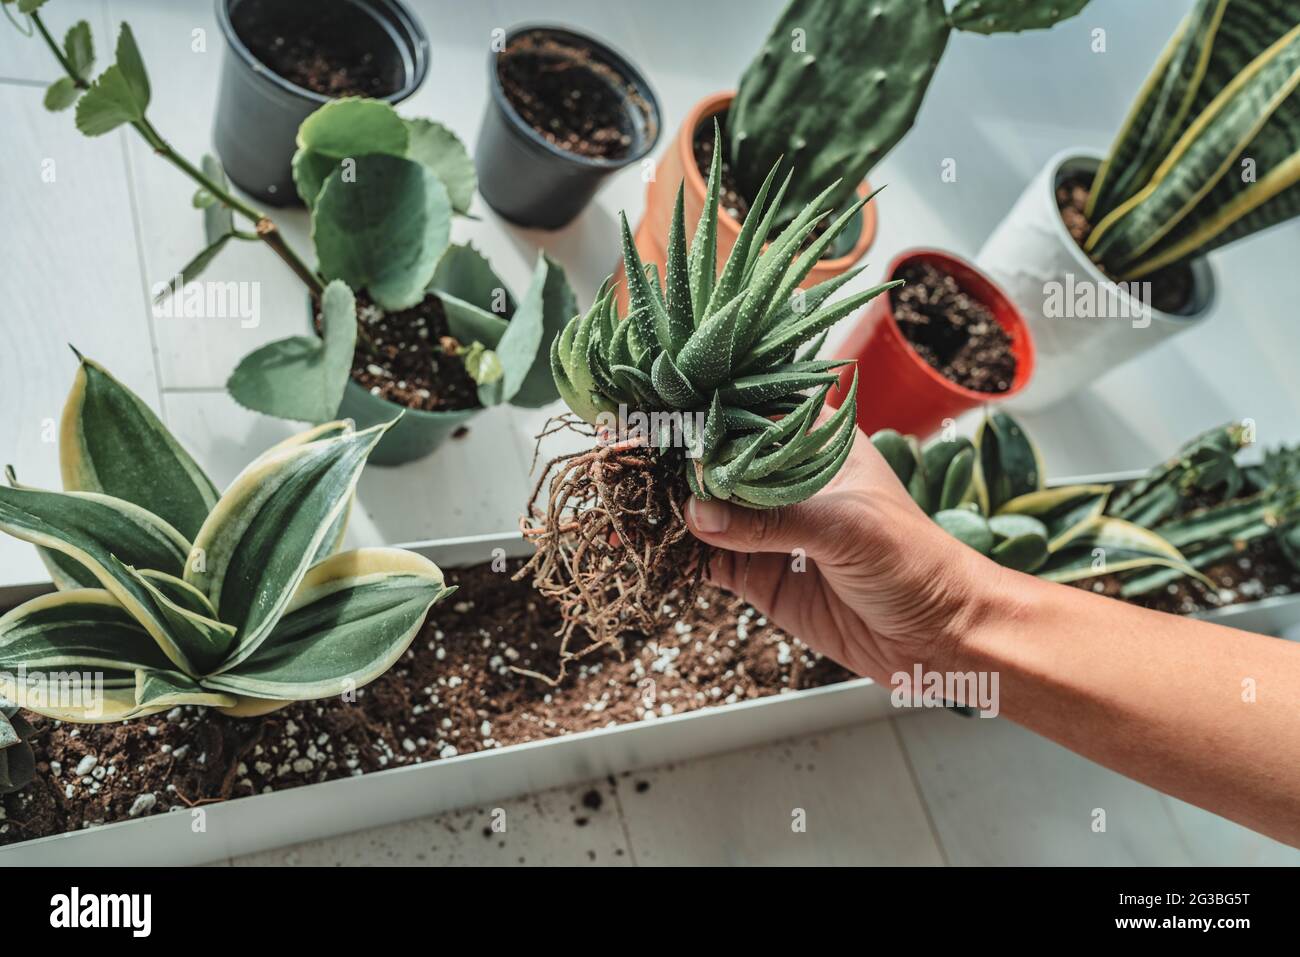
(726, 350)
(17, 762)
(839, 82)
(990, 494)
(1210, 150)
(1211, 508)
(172, 594)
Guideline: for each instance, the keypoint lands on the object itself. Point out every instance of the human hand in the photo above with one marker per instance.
(881, 587)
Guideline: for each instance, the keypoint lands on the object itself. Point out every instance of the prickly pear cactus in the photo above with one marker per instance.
(838, 83)
(1012, 16)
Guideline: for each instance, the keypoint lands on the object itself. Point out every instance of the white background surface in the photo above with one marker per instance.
(80, 253)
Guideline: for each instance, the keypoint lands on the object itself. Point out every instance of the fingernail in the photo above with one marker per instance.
(711, 517)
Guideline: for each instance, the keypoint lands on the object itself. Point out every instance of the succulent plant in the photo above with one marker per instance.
(17, 762)
(991, 495)
(171, 594)
(838, 83)
(382, 190)
(1210, 150)
(1211, 508)
(726, 351)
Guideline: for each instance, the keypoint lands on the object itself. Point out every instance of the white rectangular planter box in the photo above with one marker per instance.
(250, 824)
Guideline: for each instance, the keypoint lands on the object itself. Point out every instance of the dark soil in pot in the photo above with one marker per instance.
(733, 200)
(307, 63)
(453, 692)
(1171, 287)
(955, 333)
(407, 357)
(571, 98)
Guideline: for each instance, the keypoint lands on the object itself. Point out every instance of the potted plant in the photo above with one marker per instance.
(946, 340)
(382, 190)
(1106, 255)
(285, 60)
(834, 88)
(437, 333)
(564, 112)
(1195, 534)
(171, 594)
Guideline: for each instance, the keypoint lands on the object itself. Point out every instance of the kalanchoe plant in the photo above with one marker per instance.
(382, 191)
(1210, 151)
(838, 83)
(717, 368)
(171, 594)
(991, 495)
(17, 762)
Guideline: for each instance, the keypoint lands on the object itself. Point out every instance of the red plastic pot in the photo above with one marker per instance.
(897, 389)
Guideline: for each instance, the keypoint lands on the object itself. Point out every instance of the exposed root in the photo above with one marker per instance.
(612, 544)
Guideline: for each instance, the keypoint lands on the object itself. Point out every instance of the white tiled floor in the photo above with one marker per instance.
(80, 252)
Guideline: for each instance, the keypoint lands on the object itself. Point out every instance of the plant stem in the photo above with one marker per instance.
(266, 230)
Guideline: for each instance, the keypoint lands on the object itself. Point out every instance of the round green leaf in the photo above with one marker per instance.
(442, 151)
(382, 226)
(353, 127)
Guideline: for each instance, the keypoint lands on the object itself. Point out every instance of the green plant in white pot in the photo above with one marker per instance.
(1106, 254)
(170, 593)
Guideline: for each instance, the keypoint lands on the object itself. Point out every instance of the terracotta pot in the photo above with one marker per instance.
(678, 164)
(897, 389)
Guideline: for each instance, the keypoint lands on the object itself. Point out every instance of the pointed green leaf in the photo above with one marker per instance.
(111, 442)
(681, 317)
(704, 244)
(351, 619)
(266, 530)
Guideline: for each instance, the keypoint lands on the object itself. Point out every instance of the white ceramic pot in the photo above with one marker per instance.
(1082, 323)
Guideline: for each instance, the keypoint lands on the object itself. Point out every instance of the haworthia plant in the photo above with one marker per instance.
(725, 352)
(839, 82)
(991, 494)
(170, 594)
(1210, 150)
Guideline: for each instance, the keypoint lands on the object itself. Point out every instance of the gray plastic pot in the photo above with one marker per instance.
(259, 112)
(530, 181)
(414, 436)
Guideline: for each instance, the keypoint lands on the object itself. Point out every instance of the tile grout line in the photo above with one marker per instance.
(136, 228)
(920, 792)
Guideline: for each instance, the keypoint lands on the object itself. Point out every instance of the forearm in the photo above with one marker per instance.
(1205, 713)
